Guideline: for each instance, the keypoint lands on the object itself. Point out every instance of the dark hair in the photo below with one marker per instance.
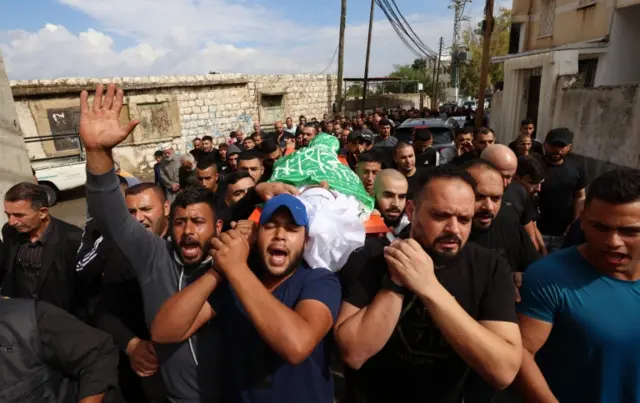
(206, 163)
(143, 187)
(422, 134)
(194, 195)
(483, 130)
(256, 134)
(527, 122)
(250, 155)
(384, 122)
(236, 176)
(620, 186)
(447, 172)
(205, 138)
(532, 166)
(400, 146)
(223, 146)
(158, 154)
(302, 117)
(269, 146)
(233, 134)
(197, 138)
(27, 191)
(370, 156)
(311, 124)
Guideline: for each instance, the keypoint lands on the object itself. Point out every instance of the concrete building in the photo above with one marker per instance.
(14, 160)
(173, 110)
(594, 39)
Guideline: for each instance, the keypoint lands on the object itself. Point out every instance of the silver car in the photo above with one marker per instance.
(441, 130)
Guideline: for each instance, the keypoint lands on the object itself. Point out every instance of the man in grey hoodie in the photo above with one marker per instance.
(190, 369)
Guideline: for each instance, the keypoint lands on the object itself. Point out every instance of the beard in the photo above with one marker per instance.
(392, 222)
(439, 258)
(296, 260)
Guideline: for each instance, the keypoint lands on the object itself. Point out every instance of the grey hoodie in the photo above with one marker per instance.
(190, 370)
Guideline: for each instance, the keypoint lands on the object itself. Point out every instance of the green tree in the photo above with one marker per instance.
(414, 73)
(472, 39)
(355, 91)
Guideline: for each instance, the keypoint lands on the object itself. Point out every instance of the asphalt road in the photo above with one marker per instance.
(71, 207)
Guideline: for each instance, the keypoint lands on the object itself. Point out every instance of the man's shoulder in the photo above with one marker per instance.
(558, 266)
(67, 228)
(480, 258)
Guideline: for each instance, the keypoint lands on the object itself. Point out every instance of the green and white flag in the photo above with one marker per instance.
(319, 162)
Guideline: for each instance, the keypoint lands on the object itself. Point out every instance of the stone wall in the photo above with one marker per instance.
(173, 109)
(605, 120)
(14, 161)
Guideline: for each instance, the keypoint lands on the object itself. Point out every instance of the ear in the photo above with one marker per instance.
(167, 208)
(43, 212)
(410, 209)
(218, 226)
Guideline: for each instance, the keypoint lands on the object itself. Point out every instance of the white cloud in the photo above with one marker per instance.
(195, 37)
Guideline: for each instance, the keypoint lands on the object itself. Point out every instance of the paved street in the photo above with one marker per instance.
(72, 207)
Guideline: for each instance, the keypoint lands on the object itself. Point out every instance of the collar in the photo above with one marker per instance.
(43, 237)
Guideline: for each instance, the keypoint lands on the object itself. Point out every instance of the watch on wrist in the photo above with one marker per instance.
(388, 284)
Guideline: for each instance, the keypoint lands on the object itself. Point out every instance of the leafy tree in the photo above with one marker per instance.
(355, 91)
(416, 72)
(472, 39)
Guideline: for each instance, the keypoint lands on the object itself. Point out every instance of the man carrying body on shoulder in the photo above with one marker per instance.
(190, 370)
(580, 305)
(276, 311)
(390, 190)
(432, 295)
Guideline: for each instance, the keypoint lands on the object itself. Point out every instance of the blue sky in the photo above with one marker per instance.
(42, 39)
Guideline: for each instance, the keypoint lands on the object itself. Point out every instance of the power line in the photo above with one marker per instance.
(425, 47)
(331, 62)
(396, 28)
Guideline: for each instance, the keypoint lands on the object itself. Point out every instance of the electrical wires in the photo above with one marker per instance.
(331, 62)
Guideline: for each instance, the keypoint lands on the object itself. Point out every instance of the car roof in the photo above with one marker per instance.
(423, 123)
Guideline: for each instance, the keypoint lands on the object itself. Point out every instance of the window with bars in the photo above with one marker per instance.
(547, 18)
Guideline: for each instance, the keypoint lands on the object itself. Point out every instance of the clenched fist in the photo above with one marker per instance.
(229, 250)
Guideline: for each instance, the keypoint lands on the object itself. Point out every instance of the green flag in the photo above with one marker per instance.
(319, 162)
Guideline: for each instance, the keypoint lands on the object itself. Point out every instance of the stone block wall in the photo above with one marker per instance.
(174, 109)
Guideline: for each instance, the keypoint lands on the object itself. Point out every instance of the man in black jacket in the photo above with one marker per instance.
(49, 356)
(39, 252)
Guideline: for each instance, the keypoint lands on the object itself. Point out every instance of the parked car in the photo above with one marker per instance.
(58, 173)
(470, 105)
(441, 130)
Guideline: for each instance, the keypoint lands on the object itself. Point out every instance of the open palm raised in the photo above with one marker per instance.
(100, 127)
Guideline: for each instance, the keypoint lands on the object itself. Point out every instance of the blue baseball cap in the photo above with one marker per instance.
(293, 204)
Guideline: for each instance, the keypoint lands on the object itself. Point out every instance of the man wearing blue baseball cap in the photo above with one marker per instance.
(276, 311)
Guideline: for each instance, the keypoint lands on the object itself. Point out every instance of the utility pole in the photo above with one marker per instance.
(366, 63)
(343, 25)
(437, 81)
(433, 85)
(487, 28)
(458, 17)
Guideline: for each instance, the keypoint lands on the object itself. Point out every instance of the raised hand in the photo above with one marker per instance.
(100, 127)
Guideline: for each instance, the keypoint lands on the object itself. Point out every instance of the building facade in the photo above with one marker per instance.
(173, 110)
(593, 39)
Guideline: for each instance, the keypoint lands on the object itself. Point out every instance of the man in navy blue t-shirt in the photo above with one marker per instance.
(580, 308)
(276, 312)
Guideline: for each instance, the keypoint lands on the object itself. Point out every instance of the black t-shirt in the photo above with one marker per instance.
(416, 181)
(417, 363)
(464, 158)
(518, 203)
(558, 194)
(509, 240)
(429, 157)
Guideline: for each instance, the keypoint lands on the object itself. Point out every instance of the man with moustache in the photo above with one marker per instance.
(309, 132)
(580, 306)
(161, 266)
(497, 231)
(275, 310)
(563, 191)
(430, 308)
(390, 190)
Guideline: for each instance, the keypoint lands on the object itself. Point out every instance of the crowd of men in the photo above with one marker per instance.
(498, 277)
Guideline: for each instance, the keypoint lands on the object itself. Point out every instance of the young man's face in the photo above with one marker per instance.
(193, 228)
(254, 167)
(248, 143)
(367, 172)
(208, 177)
(527, 129)
(235, 192)
(150, 210)
(280, 243)
(207, 145)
